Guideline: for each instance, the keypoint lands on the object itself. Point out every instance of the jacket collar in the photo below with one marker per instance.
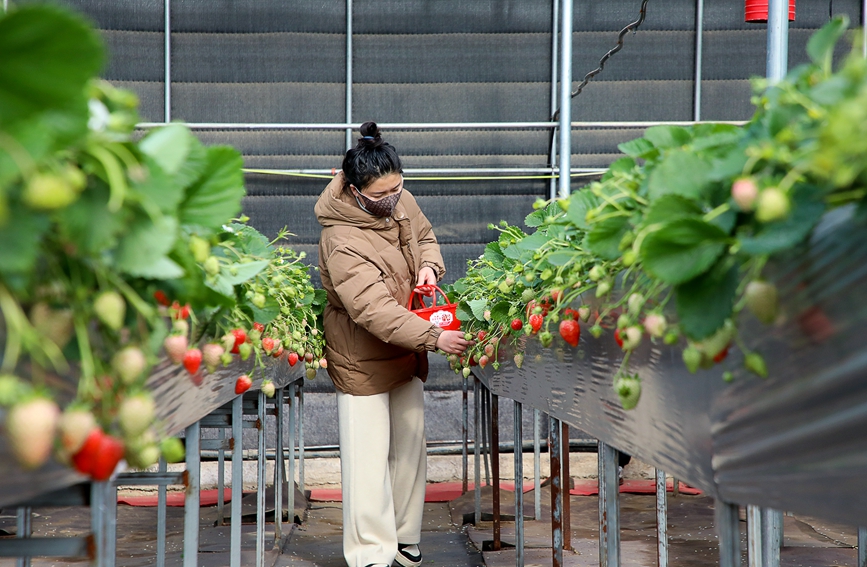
(335, 208)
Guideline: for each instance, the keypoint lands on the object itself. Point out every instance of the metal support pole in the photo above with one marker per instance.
(609, 507)
(728, 530)
(290, 476)
(161, 517)
(191, 499)
(555, 25)
(260, 482)
(465, 426)
(477, 486)
(98, 495)
(565, 97)
(567, 486)
(24, 529)
(556, 496)
(537, 465)
(486, 424)
(519, 485)
(221, 478)
(300, 441)
(237, 481)
(111, 525)
(754, 536)
(862, 546)
(495, 467)
(772, 536)
(348, 73)
(778, 39)
(699, 33)
(661, 520)
(279, 477)
(167, 35)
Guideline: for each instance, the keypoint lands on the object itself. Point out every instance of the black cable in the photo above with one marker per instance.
(631, 27)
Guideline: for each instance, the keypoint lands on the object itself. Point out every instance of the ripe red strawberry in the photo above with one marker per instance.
(473, 361)
(162, 298)
(176, 346)
(259, 327)
(212, 355)
(136, 414)
(268, 388)
(267, 344)
(721, 355)
(99, 455)
(489, 349)
(74, 427)
(617, 338)
(483, 361)
(556, 293)
(481, 335)
(292, 358)
(83, 459)
(242, 384)
(536, 320)
(517, 324)
(240, 338)
(129, 363)
(30, 427)
(193, 360)
(277, 351)
(570, 331)
(181, 312)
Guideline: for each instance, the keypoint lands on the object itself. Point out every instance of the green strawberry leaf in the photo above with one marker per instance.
(168, 147)
(269, 311)
(494, 254)
(234, 274)
(682, 173)
(21, 237)
(561, 258)
(216, 195)
(478, 307)
(704, 303)
(820, 46)
(667, 137)
(670, 207)
(143, 250)
(500, 312)
(639, 148)
(463, 312)
(605, 236)
(682, 249)
(579, 203)
(89, 225)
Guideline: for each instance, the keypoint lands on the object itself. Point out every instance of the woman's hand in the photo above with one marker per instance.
(426, 278)
(452, 342)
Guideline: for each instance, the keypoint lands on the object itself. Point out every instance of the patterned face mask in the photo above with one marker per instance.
(381, 207)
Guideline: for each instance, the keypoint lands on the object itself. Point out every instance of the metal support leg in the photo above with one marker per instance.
(191, 499)
(728, 530)
(260, 483)
(486, 420)
(111, 524)
(609, 507)
(97, 520)
(300, 442)
(279, 479)
(556, 496)
(237, 481)
(161, 517)
(25, 528)
(661, 520)
(772, 536)
(567, 485)
(537, 465)
(754, 536)
(862, 546)
(519, 485)
(465, 410)
(477, 486)
(290, 476)
(221, 479)
(495, 467)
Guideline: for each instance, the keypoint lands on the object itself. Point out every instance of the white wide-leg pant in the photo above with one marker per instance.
(383, 461)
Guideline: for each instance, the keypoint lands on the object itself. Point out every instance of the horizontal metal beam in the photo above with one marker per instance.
(427, 126)
(149, 479)
(475, 172)
(46, 547)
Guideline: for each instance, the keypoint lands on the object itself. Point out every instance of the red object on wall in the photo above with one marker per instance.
(756, 11)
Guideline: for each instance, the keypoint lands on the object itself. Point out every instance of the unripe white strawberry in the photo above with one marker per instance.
(631, 338)
(176, 347)
(773, 204)
(635, 303)
(744, 193)
(110, 308)
(761, 299)
(30, 427)
(655, 324)
(74, 426)
(212, 355)
(135, 414)
(129, 363)
(54, 324)
(268, 388)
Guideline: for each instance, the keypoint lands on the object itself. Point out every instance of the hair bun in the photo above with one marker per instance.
(370, 136)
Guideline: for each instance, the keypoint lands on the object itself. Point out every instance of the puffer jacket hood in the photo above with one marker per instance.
(369, 266)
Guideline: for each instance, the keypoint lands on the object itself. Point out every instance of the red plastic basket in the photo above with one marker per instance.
(444, 316)
(756, 11)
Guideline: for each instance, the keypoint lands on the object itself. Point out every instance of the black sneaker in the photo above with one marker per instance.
(406, 558)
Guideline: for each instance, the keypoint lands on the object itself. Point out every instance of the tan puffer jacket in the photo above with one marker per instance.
(369, 266)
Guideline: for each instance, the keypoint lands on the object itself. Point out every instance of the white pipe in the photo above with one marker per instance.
(565, 97)
(778, 39)
(349, 143)
(433, 125)
(167, 33)
(699, 33)
(555, 27)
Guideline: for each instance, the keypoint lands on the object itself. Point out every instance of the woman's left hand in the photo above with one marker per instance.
(426, 279)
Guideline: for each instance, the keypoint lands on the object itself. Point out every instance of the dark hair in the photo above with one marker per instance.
(370, 159)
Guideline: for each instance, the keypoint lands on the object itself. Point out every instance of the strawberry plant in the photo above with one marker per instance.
(673, 239)
(118, 251)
